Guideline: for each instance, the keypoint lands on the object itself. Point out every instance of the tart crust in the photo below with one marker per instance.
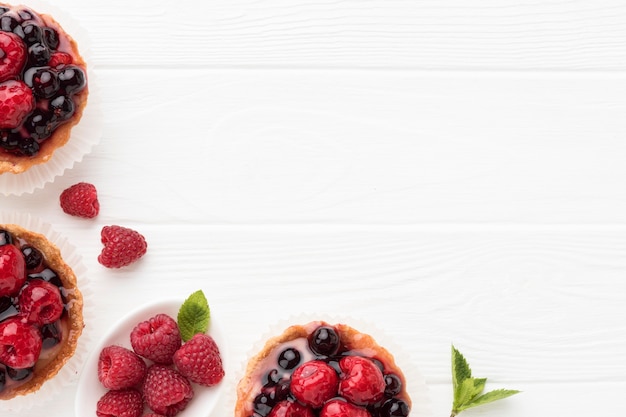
(15, 164)
(74, 299)
(352, 339)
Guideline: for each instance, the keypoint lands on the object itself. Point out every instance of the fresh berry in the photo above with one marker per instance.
(199, 360)
(122, 246)
(291, 409)
(362, 382)
(12, 270)
(156, 339)
(16, 102)
(153, 415)
(12, 55)
(120, 403)
(314, 382)
(166, 391)
(40, 302)
(59, 58)
(341, 408)
(120, 368)
(80, 200)
(20, 344)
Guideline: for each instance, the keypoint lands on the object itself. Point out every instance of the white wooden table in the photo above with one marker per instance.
(458, 164)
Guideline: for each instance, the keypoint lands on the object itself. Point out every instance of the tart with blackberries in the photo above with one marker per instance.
(43, 87)
(322, 370)
(41, 311)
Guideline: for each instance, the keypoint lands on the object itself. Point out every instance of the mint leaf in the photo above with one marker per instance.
(193, 316)
(467, 390)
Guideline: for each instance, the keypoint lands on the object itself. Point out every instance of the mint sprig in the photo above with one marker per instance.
(468, 390)
(193, 316)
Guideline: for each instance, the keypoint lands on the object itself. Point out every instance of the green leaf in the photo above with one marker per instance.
(194, 315)
(467, 390)
(489, 397)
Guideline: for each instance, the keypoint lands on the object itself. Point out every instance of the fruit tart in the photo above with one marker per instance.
(43, 87)
(41, 311)
(321, 369)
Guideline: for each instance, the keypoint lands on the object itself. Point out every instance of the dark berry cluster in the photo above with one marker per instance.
(324, 378)
(46, 69)
(32, 305)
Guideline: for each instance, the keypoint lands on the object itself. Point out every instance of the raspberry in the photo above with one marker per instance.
(12, 270)
(59, 58)
(80, 200)
(40, 302)
(120, 368)
(156, 339)
(120, 403)
(291, 409)
(199, 360)
(20, 343)
(341, 408)
(122, 246)
(314, 382)
(362, 382)
(12, 55)
(16, 102)
(166, 391)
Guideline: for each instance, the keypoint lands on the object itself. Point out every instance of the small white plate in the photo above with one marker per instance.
(90, 390)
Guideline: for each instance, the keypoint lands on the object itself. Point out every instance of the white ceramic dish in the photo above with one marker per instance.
(90, 390)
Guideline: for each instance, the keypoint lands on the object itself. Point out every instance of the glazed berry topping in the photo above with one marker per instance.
(321, 375)
(31, 316)
(314, 382)
(12, 270)
(20, 343)
(362, 382)
(289, 358)
(16, 102)
(324, 341)
(31, 55)
(40, 302)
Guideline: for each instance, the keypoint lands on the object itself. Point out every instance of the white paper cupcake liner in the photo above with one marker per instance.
(69, 373)
(416, 384)
(84, 136)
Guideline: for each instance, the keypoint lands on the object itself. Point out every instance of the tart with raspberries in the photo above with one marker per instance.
(43, 87)
(322, 370)
(41, 311)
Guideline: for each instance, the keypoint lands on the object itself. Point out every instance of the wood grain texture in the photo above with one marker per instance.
(372, 147)
(450, 34)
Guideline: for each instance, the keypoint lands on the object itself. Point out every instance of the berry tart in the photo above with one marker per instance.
(322, 370)
(41, 311)
(43, 87)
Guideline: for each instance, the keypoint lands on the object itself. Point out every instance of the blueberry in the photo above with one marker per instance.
(19, 374)
(32, 33)
(28, 146)
(38, 54)
(51, 38)
(51, 335)
(32, 256)
(324, 341)
(3, 379)
(45, 82)
(47, 275)
(5, 238)
(289, 358)
(8, 23)
(393, 385)
(394, 408)
(62, 108)
(72, 79)
(9, 139)
(263, 405)
(39, 124)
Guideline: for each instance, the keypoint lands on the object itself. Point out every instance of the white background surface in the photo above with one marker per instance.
(451, 171)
